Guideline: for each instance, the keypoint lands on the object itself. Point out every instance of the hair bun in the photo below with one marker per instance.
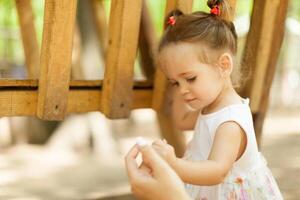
(176, 13)
(212, 3)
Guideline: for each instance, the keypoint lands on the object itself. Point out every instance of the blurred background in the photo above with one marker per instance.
(82, 156)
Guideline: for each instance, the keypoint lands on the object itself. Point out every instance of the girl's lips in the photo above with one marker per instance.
(189, 100)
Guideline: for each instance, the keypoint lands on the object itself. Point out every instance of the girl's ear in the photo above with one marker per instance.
(225, 64)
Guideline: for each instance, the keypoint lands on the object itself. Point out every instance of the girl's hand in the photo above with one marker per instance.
(165, 150)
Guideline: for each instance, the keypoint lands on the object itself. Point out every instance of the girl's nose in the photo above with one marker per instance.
(183, 89)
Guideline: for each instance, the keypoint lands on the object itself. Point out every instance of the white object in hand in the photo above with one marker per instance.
(141, 141)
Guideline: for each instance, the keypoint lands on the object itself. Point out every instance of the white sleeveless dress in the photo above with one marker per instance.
(249, 178)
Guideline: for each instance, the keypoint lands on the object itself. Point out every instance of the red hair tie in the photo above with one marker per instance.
(215, 10)
(172, 21)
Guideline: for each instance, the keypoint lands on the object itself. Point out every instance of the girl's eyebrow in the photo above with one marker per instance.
(181, 74)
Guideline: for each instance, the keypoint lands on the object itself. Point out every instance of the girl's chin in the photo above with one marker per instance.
(194, 105)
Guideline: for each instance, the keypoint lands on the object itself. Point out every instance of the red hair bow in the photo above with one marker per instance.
(215, 10)
(172, 21)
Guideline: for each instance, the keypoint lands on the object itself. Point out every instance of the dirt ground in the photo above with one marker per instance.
(52, 172)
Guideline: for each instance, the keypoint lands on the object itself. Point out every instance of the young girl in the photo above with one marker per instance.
(197, 54)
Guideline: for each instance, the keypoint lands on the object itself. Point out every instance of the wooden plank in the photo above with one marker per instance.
(118, 79)
(97, 84)
(24, 102)
(99, 19)
(276, 38)
(18, 103)
(259, 47)
(29, 38)
(147, 43)
(59, 22)
(17, 84)
(14, 83)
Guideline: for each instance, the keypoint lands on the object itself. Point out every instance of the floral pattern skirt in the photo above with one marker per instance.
(256, 184)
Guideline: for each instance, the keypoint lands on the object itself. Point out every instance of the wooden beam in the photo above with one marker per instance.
(265, 40)
(24, 102)
(147, 43)
(118, 79)
(19, 97)
(18, 103)
(18, 84)
(29, 38)
(259, 47)
(59, 22)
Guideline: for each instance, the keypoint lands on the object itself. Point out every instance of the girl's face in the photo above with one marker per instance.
(198, 83)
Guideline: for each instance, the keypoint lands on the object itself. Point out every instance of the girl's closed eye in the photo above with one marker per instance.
(190, 80)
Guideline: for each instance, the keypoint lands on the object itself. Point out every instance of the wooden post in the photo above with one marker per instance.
(147, 44)
(122, 47)
(59, 22)
(77, 70)
(29, 38)
(261, 53)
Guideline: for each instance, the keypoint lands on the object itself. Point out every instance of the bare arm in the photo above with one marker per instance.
(229, 144)
(183, 117)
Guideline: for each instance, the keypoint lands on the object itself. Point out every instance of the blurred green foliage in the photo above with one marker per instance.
(11, 48)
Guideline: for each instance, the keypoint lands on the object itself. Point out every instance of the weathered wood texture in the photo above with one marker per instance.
(122, 47)
(59, 22)
(19, 97)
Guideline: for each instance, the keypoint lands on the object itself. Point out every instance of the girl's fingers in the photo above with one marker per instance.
(157, 148)
(157, 164)
(158, 142)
